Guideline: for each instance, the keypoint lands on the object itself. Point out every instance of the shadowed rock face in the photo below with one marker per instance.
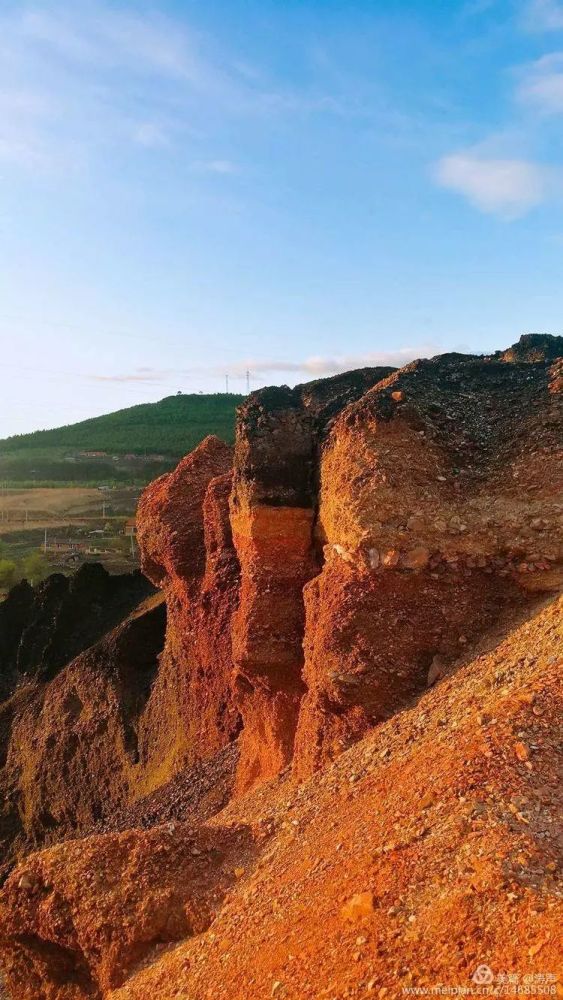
(71, 753)
(78, 659)
(44, 627)
(533, 347)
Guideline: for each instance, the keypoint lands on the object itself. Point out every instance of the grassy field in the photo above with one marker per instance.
(47, 507)
(77, 525)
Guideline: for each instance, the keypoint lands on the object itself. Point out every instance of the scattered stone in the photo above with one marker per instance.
(391, 558)
(417, 558)
(358, 907)
(28, 881)
(436, 671)
(373, 558)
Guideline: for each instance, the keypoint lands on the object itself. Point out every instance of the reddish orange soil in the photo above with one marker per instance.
(443, 820)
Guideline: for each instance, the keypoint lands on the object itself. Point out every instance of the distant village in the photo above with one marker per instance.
(70, 550)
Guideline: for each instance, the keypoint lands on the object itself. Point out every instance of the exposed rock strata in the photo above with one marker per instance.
(279, 434)
(439, 503)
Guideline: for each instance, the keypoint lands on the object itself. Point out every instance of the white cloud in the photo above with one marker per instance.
(123, 76)
(505, 187)
(541, 86)
(543, 15)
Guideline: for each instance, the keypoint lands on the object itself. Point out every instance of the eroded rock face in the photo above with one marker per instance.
(376, 523)
(427, 846)
(439, 503)
(186, 549)
(279, 433)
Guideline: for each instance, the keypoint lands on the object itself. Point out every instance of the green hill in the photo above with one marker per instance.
(134, 445)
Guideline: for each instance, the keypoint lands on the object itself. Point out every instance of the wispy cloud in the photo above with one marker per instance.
(109, 38)
(543, 15)
(319, 365)
(262, 369)
(505, 187)
(151, 135)
(104, 77)
(541, 85)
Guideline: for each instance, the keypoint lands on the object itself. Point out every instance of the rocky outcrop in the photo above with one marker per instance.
(273, 504)
(365, 530)
(363, 535)
(533, 347)
(86, 735)
(186, 549)
(377, 535)
(439, 504)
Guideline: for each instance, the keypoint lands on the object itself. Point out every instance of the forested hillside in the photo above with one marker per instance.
(136, 443)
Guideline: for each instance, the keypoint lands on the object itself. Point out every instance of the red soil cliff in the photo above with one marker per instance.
(279, 432)
(426, 539)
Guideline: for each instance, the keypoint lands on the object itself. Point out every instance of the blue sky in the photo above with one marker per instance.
(296, 187)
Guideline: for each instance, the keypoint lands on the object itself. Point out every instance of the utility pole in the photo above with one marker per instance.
(227, 384)
(45, 542)
(247, 382)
